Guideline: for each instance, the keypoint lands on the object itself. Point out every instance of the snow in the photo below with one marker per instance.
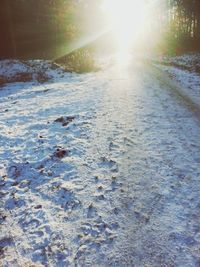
(100, 169)
(189, 81)
(182, 70)
(189, 61)
(10, 68)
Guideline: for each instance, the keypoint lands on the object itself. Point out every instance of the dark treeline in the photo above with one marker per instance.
(44, 28)
(185, 18)
(38, 28)
(183, 25)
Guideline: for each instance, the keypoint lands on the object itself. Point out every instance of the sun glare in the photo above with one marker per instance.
(127, 20)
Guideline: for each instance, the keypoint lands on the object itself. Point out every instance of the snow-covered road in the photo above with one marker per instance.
(98, 169)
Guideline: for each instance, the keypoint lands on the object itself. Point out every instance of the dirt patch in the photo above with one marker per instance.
(19, 77)
(24, 77)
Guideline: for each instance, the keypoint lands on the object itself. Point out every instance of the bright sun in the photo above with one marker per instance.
(127, 19)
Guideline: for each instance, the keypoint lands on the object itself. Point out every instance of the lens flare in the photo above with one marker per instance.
(127, 19)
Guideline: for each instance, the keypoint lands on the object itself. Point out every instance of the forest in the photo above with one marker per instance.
(184, 24)
(45, 28)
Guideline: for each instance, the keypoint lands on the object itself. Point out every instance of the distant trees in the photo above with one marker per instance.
(36, 28)
(185, 15)
(184, 22)
(45, 28)
(7, 44)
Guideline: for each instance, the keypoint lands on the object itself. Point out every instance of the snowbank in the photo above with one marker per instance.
(25, 71)
(185, 71)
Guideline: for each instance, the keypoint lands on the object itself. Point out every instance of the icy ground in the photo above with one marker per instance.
(99, 169)
(185, 70)
(189, 82)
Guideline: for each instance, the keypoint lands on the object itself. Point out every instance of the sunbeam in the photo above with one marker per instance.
(127, 20)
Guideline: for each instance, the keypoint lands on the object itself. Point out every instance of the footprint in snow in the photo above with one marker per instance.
(182, 238)
(13, 203)
(65, 198)
(116, 211)
(4, 243)
(92, 211)
(31, 224)
(61, 153)
(115, 184)
(100, 197)
(65, 120)
(97, 233)
(100, 188)
(2, 216)
(113, 146)
(36, 234)
(2, 182)
(40, 255)
(108, 163)
(96, 179)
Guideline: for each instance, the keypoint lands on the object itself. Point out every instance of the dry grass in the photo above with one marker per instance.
(80, 61)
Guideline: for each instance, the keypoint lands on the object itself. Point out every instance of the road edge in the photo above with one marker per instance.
(177, 89)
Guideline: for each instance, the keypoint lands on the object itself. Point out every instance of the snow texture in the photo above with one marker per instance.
(183, 69)
(100, 169)
(189, 61)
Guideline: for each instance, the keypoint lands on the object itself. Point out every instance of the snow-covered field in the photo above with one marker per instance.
(100, 169)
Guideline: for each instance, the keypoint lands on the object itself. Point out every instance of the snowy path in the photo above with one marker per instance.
(113, 182)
